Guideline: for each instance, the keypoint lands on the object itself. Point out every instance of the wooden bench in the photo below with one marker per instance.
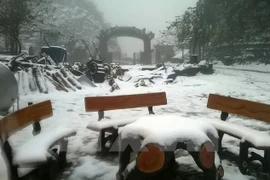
(250, 138)
(38, 152)
(106, 103)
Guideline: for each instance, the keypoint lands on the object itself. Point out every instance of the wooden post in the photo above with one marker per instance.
(36, 125)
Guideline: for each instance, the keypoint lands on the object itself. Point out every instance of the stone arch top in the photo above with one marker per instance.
(126, 31)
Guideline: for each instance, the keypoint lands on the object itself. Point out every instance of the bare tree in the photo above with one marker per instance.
(16, 15)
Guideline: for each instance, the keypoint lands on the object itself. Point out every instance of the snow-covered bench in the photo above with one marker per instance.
(250, 138)
(45, 149)
(105, 103)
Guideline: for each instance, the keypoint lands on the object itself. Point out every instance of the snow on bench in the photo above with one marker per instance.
(250, 138)
(34, 151)
(258, 139)
(156, 138)
(106, 103)
(105, 124)
(167, 129)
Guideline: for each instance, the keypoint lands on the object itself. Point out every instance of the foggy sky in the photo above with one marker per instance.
(149, 14)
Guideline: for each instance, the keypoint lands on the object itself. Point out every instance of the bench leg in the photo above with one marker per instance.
(113, 140)
(209, 174)
(245, 160)
(243, 165)
(266, 164)
(124, 158)
(63, 152)
(220, 135)
(101, 141)
(7, 151)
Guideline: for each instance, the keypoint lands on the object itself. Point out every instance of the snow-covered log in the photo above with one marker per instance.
(32, 82)
(57, 85)
(40, 80)
(61, 78)
(23, 82)
(66, 74)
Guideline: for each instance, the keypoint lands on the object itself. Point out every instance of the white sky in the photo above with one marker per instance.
(149, 14)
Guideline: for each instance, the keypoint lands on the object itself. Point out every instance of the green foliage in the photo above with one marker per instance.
(223, 22)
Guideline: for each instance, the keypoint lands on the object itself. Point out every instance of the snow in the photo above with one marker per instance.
(178, 129)
(187, 98)
(43, 47)
(252, 67)
(103, 124)
(202, 63)
(185, 66)
(6, 57)
(38, 146)
(94, 169)
(259, 139)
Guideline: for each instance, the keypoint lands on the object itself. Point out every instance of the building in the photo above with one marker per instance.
(164, 52)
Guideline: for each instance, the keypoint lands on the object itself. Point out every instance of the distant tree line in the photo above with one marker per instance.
(234, 25)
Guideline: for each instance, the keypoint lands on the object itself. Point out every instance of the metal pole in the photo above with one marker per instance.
(97, 50)
(88, 49)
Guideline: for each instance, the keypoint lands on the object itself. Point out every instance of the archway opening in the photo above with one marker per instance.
(130, 49)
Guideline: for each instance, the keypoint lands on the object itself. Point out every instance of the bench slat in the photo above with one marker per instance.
(23, 117)
(105, 103)
(241, 107)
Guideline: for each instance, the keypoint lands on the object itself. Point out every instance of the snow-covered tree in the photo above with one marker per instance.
(16, 15)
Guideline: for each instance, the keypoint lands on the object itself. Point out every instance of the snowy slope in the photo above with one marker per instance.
(186, 98)
(251, 67)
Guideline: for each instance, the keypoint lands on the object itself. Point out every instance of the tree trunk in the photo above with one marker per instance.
(16, 47)
(7, 43)
(200, 51)
(203, 51)
(12, 45)
(195, 44)
(19, 46)
(183, 51)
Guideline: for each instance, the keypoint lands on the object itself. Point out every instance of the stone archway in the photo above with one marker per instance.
(105, 35)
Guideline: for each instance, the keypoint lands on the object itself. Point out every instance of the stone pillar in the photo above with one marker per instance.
(147, 52)
(142, 57)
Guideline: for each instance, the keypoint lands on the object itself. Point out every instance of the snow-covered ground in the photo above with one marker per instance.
(251, 67)
(187, 97)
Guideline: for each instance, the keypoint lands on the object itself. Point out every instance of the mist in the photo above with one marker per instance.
(149, 14)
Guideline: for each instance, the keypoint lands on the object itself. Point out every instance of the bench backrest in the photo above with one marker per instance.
(105, 103)
(241, 107)
(23, 117)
